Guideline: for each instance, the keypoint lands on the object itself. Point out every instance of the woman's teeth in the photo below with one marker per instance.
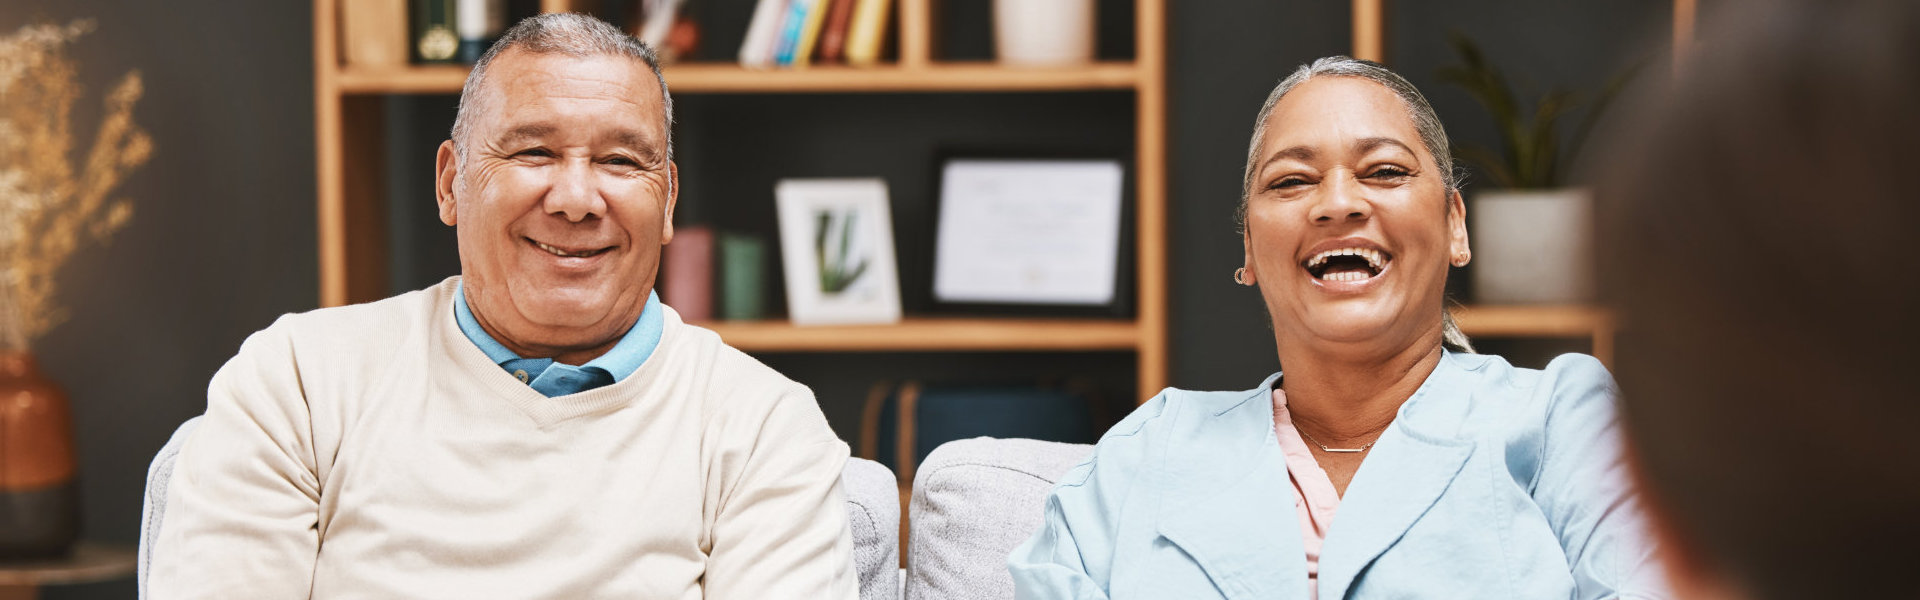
(1347, 276)
(1373, 257)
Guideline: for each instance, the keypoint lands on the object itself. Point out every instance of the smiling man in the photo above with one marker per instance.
(539, 427)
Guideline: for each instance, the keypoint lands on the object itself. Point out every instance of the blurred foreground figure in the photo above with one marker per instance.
(539, 426)
(1758, 240)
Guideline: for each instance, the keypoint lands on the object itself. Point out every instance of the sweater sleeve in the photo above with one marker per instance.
(242, 509)
(781, 528)
(1584, 490)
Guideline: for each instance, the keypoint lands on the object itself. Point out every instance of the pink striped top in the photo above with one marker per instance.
(1313, 493)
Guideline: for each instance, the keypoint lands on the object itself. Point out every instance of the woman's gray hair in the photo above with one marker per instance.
(571, 34)
(1425, 122)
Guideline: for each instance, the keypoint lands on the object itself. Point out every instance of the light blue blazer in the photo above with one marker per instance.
(1493, 482)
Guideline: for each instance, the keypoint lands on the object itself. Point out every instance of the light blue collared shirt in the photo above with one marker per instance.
(557, 379)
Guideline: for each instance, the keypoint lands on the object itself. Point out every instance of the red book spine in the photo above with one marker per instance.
(833, 41)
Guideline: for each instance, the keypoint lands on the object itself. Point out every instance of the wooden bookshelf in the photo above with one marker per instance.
(931, 334)
(349, 140)
(728, 78)
(1541, 321)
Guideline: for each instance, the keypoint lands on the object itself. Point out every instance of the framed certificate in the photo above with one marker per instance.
(1038, 233)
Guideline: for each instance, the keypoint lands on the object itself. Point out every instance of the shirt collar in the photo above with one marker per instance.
(622, 360)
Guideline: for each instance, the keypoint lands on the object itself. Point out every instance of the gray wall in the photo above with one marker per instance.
(223, 239)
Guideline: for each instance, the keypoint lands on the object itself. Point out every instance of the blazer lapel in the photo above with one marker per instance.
(1234, 513)
(1409, 469)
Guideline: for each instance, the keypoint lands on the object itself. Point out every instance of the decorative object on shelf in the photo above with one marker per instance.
(1532, 242)
(47, 208)
(434, 39)
(686, 265)
(1043, 32)
(1029, 232)
(374, 33)
(743, 277)
(836, 241)
(478, 23)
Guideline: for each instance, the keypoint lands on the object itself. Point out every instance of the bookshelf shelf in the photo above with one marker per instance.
(1542, 321)
(725, 78)
(933, 335)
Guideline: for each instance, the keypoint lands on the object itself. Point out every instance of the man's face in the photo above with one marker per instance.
(564, 201)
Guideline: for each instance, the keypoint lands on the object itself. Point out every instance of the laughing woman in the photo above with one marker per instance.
(1453, 475)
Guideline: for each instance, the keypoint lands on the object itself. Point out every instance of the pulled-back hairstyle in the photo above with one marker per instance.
(1425, 122)
(571, 34)
(1757, 245)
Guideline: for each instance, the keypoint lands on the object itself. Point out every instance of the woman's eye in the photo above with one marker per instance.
(1288, 183)
(1390, 173)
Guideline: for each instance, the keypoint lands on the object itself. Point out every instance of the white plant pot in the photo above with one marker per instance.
(1043, 32)
(1532, 246)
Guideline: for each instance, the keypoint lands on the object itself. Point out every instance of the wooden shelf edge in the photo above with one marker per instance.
(1532, 320)
(724, 78)
(932, 335)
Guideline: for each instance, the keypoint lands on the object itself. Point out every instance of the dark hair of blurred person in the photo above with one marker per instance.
(1757, 239)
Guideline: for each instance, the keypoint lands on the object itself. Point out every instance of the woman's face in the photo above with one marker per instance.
(1350, 227)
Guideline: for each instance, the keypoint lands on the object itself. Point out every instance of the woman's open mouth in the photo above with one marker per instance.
(1347, 264)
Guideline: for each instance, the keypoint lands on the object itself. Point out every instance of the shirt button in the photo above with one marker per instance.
(521, 375)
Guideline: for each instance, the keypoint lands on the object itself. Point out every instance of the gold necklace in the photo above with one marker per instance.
(1324, 448)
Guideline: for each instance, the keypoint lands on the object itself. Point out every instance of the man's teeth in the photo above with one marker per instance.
(558, 252)
(1373, 258)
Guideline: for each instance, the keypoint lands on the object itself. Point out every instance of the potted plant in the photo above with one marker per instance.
(1532, 238)
(48, 206)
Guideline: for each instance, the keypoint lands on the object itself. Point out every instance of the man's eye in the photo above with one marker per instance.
(621, 161)
(534, 153)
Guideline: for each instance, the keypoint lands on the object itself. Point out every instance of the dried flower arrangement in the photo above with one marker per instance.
(46, 204)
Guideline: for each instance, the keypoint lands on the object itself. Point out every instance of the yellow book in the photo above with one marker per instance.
(868, 32)
(810, 32)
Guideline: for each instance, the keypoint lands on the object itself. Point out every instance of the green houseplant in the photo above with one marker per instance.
(1531, 237)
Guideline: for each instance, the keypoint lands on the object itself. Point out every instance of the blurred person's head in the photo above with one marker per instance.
(1757, 242)
(1351, 214)
(560, 180)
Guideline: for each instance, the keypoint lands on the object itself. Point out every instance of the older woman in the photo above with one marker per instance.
(1453, 475)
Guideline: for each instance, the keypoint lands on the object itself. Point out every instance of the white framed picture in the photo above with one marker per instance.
(1028, 232)
(836, 246)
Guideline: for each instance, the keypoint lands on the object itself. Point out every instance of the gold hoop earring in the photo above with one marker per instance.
(1240, 276)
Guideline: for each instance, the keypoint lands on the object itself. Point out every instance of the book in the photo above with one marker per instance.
(757, 49)
(434, 40)
(478, 23)
(810, 32)
(374, 33)
(833, 35)
(868, 32)
(687, 264)
(660, 16)
(791, 27)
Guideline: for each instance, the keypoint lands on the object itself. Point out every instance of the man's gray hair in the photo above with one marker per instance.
(562, 33)
(1425, 122)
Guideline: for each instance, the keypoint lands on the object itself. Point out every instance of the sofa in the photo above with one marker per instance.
(972, 502)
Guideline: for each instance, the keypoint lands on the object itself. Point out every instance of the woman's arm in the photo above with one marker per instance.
(1071, 556)
(1584, 489)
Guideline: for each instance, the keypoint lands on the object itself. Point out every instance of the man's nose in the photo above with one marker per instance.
(1342, 199)
(575, 193)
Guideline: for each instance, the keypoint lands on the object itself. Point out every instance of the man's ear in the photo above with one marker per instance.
(673, 198)
(446, 171)
(1459, 251)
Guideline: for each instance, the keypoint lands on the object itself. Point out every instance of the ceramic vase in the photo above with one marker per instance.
(1532, 246)
(1043, 32)
(39, 510)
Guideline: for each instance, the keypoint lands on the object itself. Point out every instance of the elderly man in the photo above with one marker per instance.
(539, 427)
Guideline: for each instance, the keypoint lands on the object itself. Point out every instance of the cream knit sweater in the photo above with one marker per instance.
(372, 451)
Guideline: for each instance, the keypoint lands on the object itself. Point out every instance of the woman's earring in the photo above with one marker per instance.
(1240, 276)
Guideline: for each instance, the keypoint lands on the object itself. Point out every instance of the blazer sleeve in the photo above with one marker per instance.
(1071, 556)
(1585, 491)
(243, 506)
(781, 528)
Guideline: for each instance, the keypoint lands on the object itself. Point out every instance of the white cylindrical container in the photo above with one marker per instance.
(1532, 246)
(1043, 32)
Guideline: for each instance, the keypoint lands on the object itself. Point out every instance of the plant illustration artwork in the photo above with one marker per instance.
(48, 204)
(1530, 156)
(833, 249)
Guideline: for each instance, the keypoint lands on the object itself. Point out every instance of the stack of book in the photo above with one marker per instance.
(798, 33)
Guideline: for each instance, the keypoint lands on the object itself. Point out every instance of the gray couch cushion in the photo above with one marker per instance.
(873, 511)
(973, 502)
